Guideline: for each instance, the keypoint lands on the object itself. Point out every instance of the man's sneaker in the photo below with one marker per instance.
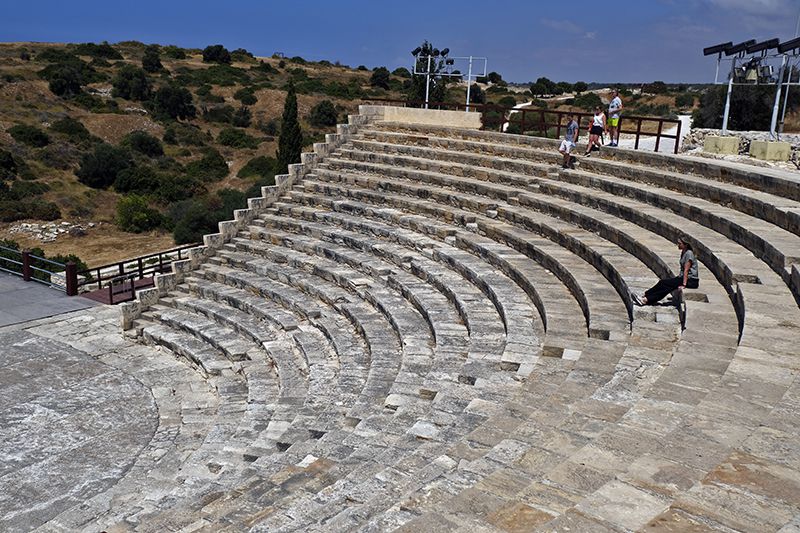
(636, 299)
(595, 148)
(572, 164)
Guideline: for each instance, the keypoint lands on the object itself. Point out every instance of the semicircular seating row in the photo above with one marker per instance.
(434, 330)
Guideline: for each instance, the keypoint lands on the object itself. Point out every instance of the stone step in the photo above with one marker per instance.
(520, 328)
(542, 202)
(771, 181)
(352, 215)
(542, 250)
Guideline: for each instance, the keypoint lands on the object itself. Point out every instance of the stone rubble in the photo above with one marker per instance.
(51, 231)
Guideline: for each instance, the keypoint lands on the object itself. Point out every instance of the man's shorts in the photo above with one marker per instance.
(613, 122)
(566, 146)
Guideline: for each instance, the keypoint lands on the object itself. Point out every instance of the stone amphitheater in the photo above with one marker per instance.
(429, 328)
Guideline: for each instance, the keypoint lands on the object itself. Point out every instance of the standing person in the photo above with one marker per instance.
(598, 126)
(569, 142)
(614, 110)
(688, 278)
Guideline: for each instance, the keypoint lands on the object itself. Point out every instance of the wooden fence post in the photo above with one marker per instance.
(26, 265)
(71, 274)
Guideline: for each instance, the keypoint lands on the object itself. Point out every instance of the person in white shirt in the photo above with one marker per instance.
(598, 126)
(614, 110)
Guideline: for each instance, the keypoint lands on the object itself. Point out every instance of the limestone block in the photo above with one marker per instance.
(722, 145)
(770, 150)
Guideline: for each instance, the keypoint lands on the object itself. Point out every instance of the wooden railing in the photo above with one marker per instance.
(31, 267)
(141, 267)
(549, 123)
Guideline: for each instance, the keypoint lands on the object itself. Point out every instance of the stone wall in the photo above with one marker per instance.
(429, 117)
(696, 137)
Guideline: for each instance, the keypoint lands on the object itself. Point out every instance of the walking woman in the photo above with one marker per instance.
(597, 129)
(688, 278)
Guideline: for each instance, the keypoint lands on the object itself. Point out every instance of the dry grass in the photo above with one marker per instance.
(101, 245)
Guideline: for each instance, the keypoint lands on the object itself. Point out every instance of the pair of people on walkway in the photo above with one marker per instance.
(688, 279)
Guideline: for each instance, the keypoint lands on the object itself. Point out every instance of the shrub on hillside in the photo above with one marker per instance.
(240, 54)
(265, 68)
(11, 210)
(62, 156)
(580, 87)
(151, 60)
(99, 168)
(65, 82)
(131, 83)
(323, 114)
(135, 215)
(684, 100)
(103, 50)
(236, 138)
(216, 54)
(223, 75)
(402, 72)
(211, 167)
(242, 117)
(95, 104)
(195, 218)
(507, 101)
(261, 166)
(173, 102)
(186, 134)
(588, 101)
(74, 130)
(30, 135)
(220, 114)
(380, 78)
(55, 55)
(144, 143)
(246, 96)
(8, 166)
(173, 52)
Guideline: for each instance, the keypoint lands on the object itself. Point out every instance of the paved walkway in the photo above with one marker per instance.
(21, 301)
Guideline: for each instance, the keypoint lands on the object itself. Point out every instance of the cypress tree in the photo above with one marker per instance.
(290, 142)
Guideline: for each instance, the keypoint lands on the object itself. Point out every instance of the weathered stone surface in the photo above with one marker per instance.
(430, 328)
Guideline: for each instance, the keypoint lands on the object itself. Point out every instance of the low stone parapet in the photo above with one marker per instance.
(431, 117)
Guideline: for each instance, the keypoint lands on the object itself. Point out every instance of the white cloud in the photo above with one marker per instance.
(562, 25)
(590, 35)
(758, 7)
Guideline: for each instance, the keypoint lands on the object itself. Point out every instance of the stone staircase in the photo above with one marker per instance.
(430, 328)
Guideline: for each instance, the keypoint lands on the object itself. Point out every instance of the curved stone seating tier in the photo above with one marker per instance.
(561, 323)
(521, 335)
(778, 248)
(781, 185)
(551, 256)
(430, 329)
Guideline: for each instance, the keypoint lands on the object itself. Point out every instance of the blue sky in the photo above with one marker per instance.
(625, 40)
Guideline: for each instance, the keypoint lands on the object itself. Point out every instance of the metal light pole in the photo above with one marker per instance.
(772, 134)
(728, 100)
(427, 82)
(469, 81)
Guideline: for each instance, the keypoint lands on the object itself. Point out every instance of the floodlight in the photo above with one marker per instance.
(763, 46)
(445, 51)
(435, 52)
(788, 46)
(717, 49)
(416, 51)
(741, 47)
(449, 61)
